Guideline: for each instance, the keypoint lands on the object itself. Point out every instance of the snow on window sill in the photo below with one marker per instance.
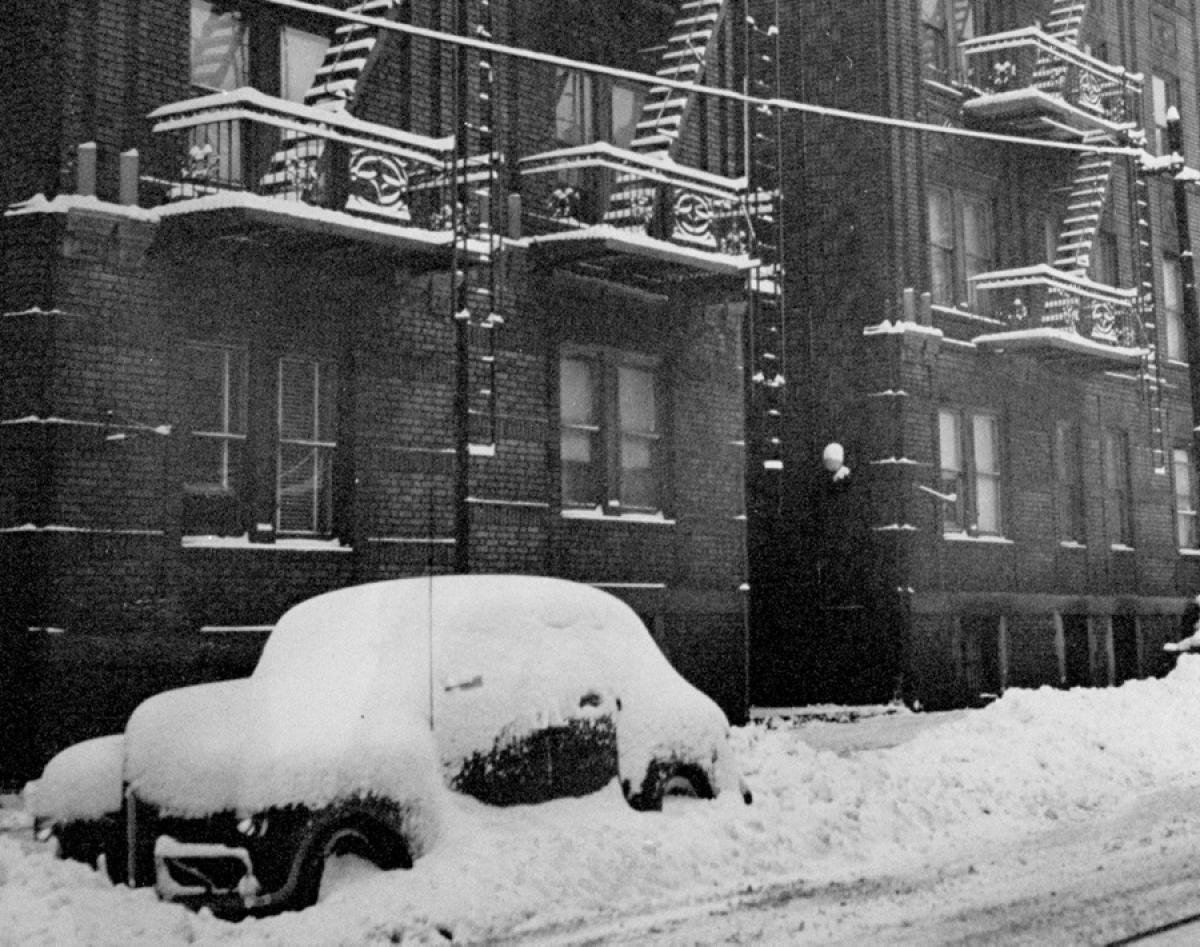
(1072, 544)
(596, 514)
(968, 538)
(1120, 547)
(235, 629)
(280, 545)
(1191, 553)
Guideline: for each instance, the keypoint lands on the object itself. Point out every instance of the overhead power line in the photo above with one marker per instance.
(787, 105)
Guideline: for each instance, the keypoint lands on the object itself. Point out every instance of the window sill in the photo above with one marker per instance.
(968, 538)
(597, 515)
(280, 545)
(1190, 553)
(1071, 544)
(1120, 547)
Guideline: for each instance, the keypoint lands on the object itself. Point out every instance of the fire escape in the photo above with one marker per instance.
(1038, 81)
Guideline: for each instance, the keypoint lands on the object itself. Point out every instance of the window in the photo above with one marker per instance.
(300, 56)
(945, 24)
(230, 485)
(611, 433)
(977, 242)
(1068, 470)
(220, 48)
(1164, 93)
(941, 247)
(969, 448)
(216, 419)
(1172, 307)
(961, 242)
(589, 110)
(1117, 486)
(232, 48)
(304, 483)
(574, 121)
(1185, 498)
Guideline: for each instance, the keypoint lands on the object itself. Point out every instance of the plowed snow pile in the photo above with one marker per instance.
(1031, 760)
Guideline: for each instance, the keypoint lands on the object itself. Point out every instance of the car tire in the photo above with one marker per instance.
(669, 778)
(355, 837)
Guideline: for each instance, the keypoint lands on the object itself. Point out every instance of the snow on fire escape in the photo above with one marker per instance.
(766, 299)
(478, 237)
(694, 36)
(336, 85)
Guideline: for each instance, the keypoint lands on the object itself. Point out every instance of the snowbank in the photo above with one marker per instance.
(1030, 761)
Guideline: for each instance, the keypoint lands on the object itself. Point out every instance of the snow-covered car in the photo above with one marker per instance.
(366, 706)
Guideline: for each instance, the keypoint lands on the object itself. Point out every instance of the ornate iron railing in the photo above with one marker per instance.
(247, 141)
(1011, 71)
(600, 184)
(1042, 297)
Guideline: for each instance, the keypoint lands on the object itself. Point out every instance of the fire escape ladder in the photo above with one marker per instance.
(693, 36)
(1143, 267)
(477, 235)
(766, 298)
(335, 87)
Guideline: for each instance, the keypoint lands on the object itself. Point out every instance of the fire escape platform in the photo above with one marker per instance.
(239, 216)
(610, 248)
(1062, 345)
(1061, 316)
(1036, 112)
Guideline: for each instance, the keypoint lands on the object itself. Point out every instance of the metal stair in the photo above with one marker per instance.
(335, 87)
(687, 51)
(1064, 20)
(694, 35)
(1085, 202)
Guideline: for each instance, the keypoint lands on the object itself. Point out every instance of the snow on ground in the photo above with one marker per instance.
(832, 801)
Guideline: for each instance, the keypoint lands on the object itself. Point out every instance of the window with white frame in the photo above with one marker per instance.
(945, 24)
(1118, 487)
(1068, 477)
(215, 418)
(1172, 308)
(969, 452)
(611, 432)
(1185, 497)
(307, 443)
(961, 244)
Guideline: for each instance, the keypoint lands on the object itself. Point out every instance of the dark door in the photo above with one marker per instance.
(1125, 648)
(982, 666)
(1077, 651)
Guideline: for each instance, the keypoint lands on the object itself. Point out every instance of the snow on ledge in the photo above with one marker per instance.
(63, 203)
(294, 544)
(56, 528)
(902, 328)
(968, 538)
(599, 516)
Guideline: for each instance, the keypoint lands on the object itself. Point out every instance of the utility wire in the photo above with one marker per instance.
(787, 105)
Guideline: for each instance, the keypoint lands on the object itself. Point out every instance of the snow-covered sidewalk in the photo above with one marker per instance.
(832, 801)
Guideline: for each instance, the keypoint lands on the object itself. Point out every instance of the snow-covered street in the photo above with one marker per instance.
(1050, 816)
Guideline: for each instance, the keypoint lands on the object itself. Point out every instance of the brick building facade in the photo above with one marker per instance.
(319, 302)
(995, 334)
(293, 302)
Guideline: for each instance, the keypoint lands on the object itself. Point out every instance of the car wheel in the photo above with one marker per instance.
(664, 779)
(346, 851)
